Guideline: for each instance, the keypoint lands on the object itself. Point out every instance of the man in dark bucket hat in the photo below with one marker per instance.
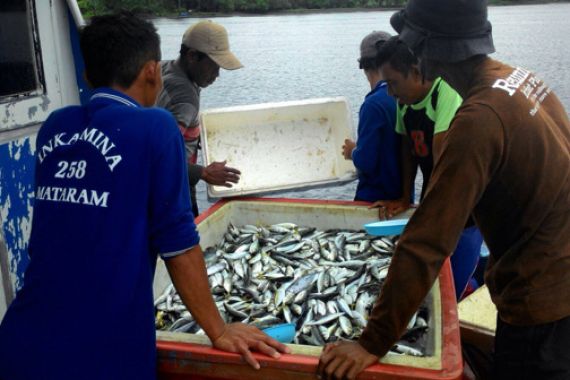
(449, 30)
(506, 161)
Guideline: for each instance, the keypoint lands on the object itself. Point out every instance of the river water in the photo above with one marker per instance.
(291, 57)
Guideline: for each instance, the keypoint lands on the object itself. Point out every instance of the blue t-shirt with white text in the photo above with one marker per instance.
(111, 194)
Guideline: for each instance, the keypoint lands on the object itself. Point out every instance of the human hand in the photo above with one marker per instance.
(344, 360)
(388, 209)
(240, 338)
(347, 149)
(218, 174)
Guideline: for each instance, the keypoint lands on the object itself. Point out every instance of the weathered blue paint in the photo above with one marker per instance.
(85, 91)
(16, 201)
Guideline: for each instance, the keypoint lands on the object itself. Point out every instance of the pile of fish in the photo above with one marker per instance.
(325, 282)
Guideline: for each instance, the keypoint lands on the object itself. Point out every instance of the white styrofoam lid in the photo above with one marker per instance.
(279, 146)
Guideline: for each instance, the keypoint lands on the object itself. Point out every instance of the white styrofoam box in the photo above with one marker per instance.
(213, 223)
(279, 146)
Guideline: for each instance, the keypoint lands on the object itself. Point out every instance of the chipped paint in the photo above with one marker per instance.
(20, 117)
(25, 110)
(45, 103)
(16, 203)
(32, 111)
(8, 113)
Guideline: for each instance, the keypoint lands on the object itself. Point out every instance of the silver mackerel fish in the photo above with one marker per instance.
(325, 282)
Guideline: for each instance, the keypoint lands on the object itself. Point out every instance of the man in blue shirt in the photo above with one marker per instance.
(376, 153)
(111, 194)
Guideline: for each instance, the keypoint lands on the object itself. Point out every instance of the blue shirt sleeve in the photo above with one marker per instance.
(172, 228)
(372, 121)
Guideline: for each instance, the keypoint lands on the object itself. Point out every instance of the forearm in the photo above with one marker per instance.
(420, 253)
(430, 237)
(365, 163)
(188, 274)
(366, 154)
(411, 276)
(195, 173)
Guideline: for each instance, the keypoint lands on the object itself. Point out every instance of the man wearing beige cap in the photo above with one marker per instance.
(205, 48)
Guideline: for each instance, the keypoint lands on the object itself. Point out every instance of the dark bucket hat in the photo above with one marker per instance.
(445, 30)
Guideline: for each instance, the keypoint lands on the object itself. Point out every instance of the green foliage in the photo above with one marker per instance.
(318, 4)
(163, 7)
(91, 8)
(155, 7)
(279, 4)
(252, 6)
(226, 6)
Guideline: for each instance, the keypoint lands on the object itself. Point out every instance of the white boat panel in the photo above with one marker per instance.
(20, 118)
(279, 146)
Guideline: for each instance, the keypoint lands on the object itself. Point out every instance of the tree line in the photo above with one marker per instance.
(165, 7)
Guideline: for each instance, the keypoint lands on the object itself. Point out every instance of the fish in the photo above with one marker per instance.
(403, 349)
(323, 281)
(324, 320)
(343, 305)
(235, 312)
(345, 325)
(218, 267)
(266, 321)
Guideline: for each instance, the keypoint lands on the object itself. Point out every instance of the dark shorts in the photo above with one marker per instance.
(532, 352)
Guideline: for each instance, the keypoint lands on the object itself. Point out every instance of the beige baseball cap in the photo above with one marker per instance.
(211, 39)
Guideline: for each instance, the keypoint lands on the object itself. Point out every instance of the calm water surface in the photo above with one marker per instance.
(293, 57)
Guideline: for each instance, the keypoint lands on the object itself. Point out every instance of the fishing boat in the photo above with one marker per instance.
(181, 15)
(42, 71)
(185, 14)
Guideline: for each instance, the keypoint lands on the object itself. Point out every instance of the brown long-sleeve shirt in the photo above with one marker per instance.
(506, 160)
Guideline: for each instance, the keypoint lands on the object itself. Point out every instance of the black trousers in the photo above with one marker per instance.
(540, 352)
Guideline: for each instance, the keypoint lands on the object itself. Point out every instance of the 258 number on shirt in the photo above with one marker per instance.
(73, 169)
